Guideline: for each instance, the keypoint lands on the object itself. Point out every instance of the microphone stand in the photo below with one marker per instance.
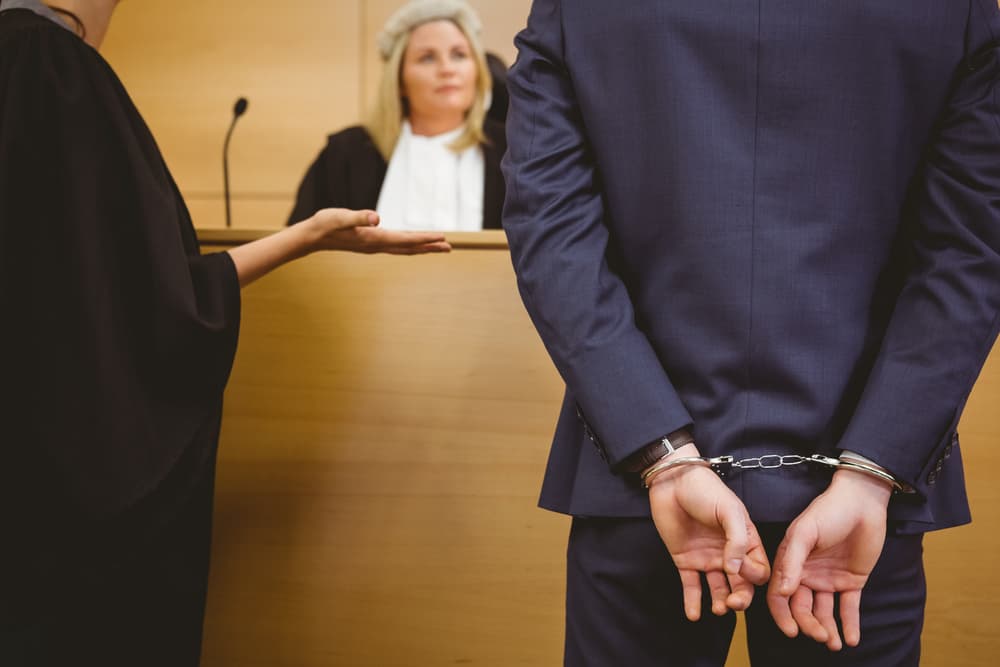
(238, 110)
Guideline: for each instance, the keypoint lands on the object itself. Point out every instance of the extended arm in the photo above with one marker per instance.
(329, 229)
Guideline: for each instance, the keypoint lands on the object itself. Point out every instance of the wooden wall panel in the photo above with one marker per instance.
(385, 432)
(250, 211)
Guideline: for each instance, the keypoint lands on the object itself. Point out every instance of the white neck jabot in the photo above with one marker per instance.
(430, 187)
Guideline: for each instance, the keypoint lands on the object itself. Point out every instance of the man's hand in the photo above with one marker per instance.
(706, 528)
(357, 231)
(830, 548)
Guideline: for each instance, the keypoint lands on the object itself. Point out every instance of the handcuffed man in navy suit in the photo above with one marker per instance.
(761, 242)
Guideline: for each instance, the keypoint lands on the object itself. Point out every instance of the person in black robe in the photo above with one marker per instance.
(351, 168)
(116, 342)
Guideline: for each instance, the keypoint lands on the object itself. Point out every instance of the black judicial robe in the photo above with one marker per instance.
(117, 336)
(350, 170)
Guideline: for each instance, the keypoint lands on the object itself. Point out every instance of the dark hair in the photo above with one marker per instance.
(80, 28)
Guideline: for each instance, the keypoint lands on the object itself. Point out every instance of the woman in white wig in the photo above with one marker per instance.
(427, 158)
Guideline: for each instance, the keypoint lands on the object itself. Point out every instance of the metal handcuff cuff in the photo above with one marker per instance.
(723, 465)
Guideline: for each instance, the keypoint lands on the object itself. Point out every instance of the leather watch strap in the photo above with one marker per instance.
(656, 450)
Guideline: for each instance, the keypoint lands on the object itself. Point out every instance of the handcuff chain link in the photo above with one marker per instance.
(769, 461)
(723, 465)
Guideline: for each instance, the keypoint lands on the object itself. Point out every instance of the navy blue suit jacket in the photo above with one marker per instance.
(776, 221)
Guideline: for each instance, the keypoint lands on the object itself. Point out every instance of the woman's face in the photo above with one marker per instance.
(439, 72)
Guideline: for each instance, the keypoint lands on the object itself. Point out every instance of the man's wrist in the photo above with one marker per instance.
(656, 450)
(854, 462)
(856, 482)
(683, 458)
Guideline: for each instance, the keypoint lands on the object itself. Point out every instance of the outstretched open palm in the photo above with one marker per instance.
(358, 231)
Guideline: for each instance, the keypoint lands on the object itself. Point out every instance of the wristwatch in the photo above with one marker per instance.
(656, 450)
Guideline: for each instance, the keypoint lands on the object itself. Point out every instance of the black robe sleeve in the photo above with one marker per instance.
(347, 173)
(117, 336)
(311, 194)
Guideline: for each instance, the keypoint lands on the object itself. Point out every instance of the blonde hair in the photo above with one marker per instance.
(385, 122)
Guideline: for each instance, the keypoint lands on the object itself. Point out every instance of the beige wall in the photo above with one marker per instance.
(308, 68)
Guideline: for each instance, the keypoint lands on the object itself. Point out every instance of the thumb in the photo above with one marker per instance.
(730, 516)
(344, 218)
(791, 557)
(365, 218)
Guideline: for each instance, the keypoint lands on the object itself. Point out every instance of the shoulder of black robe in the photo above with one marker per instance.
(347, 173)
(118, 337)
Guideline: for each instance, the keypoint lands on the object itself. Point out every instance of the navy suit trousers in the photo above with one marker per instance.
(624, 607)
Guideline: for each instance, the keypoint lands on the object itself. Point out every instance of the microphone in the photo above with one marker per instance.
(238, 110)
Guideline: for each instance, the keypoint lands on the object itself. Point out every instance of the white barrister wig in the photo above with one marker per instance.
(418, 12)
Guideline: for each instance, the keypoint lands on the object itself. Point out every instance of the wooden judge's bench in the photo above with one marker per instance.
(384, 436)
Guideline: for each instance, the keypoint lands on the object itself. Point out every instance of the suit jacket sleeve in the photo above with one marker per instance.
(555, 222)
(946, 316)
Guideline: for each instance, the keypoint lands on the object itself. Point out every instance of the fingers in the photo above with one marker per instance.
(441, 246)
(388, 240)
(788, 562)
(718, 587)
(791, 556)
(823, 611)
(411, 238)
(756, 568)
(781, 612)
(801, 604)
(343, 218)
(691, 586)
(812, 613)
(742, 593)
(733, 518)
(850, 616)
